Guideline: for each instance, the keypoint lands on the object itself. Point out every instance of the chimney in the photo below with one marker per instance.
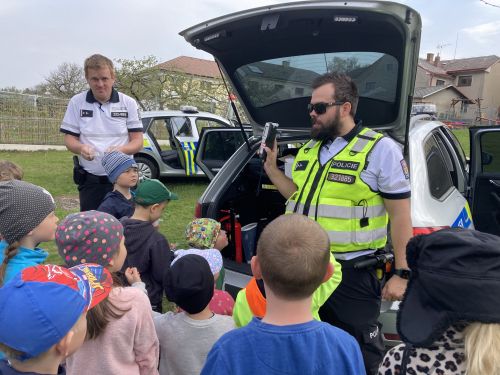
(437, 60)
(430, 57)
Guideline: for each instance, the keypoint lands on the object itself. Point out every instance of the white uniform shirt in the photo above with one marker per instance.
(101, 125)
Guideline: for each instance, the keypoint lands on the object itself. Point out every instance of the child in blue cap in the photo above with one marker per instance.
(43, 315)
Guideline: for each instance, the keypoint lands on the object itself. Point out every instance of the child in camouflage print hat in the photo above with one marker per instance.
(206, 236)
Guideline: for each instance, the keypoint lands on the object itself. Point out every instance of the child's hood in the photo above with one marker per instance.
(137, 233)
(24, 255)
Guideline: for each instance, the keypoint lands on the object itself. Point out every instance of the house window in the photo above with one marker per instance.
(278, 87)
(439, 82)
(464, 80)
(299, 91)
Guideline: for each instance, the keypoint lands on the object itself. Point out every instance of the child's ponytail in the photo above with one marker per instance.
(10, 252)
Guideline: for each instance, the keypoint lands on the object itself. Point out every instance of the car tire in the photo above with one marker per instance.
(147, 168)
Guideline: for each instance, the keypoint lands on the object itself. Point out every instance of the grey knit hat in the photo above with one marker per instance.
(23, 206)
(115, 163)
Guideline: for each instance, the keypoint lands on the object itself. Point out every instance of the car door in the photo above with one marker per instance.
(185, 140)
(215, 147)
(485, 178)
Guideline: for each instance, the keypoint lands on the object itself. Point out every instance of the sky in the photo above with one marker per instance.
(38, 35)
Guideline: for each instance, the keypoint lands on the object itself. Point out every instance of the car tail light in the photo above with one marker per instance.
(392, 337)
(426, 230)
(197, 210)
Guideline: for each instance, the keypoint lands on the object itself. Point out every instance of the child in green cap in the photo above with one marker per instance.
(148, 249)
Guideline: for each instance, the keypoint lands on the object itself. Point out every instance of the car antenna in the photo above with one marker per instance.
(235, 110)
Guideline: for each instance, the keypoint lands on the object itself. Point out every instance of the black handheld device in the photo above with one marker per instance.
(268, 138)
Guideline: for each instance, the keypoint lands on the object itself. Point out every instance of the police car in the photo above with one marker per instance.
(171, 139)
(271, 55)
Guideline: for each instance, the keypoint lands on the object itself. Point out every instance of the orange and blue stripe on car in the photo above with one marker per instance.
(188, 149)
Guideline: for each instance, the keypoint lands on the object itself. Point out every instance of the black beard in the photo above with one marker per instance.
(331, 131)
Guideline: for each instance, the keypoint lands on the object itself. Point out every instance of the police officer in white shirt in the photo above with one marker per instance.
(351, 179)
(98, 121)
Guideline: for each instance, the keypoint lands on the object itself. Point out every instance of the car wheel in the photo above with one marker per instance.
(146, 167)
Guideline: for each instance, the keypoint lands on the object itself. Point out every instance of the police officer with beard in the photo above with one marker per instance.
(351, 180)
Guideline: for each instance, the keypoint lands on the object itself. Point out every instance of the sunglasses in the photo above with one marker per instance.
(321, 107)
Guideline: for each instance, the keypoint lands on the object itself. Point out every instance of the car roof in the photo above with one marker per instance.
(178, 113)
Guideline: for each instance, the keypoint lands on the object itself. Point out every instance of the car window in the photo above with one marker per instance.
(220, 145)
(181, 127)
(490, 152)
(440, 180)
(159, 130)
(270, 81)
(458, 148)
(208, 123)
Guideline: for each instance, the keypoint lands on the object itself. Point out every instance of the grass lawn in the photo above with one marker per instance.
(53, 171)
(463, 137)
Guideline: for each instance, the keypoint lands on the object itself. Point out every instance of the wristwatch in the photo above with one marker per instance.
(403, 273)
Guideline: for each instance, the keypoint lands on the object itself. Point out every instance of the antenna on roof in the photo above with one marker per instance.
(456, 44)
(440, 46)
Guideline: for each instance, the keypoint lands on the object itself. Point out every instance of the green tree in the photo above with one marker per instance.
(343, 65)
(154, 87)
(66, 81)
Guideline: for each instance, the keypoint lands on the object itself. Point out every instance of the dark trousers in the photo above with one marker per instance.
(92, 191)
(355, 307)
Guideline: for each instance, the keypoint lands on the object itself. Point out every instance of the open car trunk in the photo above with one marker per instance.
(271, 55)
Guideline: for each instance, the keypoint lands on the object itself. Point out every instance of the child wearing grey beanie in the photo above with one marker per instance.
(26, 218)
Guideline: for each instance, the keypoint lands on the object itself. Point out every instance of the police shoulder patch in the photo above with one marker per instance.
(301, 165)
(342, 178)
(404, 166)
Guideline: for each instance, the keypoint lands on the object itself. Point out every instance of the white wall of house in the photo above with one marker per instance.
(492, 92)
(427, 79)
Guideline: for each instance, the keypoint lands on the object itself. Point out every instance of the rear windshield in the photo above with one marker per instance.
(271, 81)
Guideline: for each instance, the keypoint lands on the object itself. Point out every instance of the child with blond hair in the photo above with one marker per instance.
(293, 259)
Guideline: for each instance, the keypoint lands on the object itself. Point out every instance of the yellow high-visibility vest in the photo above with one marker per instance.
(334, 195)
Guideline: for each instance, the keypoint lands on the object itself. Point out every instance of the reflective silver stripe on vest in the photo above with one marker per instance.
(360, 236)
(356, 212)
(370, 133)
(340, 212)
(312, 143)
(290, 206)
(361, 142)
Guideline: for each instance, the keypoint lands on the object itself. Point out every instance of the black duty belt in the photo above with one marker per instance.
(96, 179)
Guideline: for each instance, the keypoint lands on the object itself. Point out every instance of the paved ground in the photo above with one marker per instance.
(18, 147)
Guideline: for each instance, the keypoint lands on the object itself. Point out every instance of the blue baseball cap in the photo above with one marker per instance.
(42, 303)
